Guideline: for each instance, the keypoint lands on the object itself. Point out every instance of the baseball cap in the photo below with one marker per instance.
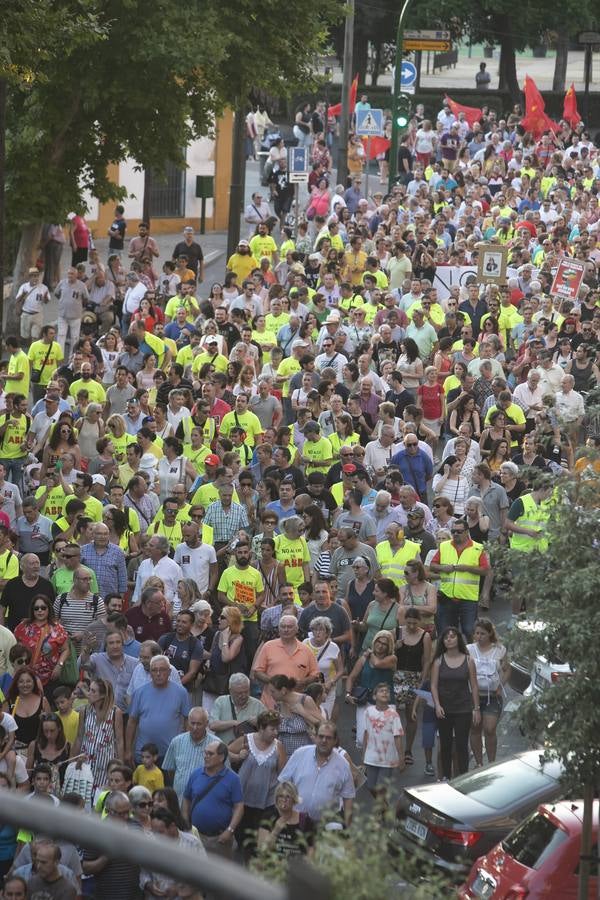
(212, 460)
(332, 320)
(536, 340)
(300, 343)
(349, 469)
(211, 341)
(33, 271)
(243, 244)
(99, 479)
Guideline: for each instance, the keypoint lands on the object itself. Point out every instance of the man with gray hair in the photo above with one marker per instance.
(266, 406)
(106, 560)
(134, 294)
(185, 753)
(285, 655)
(159, 711)
(71, 294)
(141, 673)
(382, 512)
(159, 564)
(233, 714)
(379, 453)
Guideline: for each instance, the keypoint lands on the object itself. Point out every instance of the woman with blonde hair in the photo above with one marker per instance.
(227, 656)
(373, 667)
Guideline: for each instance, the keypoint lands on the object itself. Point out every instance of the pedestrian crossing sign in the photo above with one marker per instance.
(369, 123)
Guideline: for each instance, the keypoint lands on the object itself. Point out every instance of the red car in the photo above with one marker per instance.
(539, 859)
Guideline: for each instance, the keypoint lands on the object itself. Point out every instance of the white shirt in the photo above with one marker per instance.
(10, 498)
(195, 562)
(377, 456)
(569, 407)
(474, 452)
(257, 213)
(133, 297)
(337, 361)
(550, 379)
(36, 296)
(166, 569)
(528, 398)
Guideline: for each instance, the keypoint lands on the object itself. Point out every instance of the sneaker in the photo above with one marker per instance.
(429, 770)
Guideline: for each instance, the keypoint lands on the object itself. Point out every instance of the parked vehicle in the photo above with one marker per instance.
(540, 858)
(453, 823)
(530, 677)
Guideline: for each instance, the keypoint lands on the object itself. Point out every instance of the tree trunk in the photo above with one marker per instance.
(508, 66)
(560, 63)
(586, 842)
(26, 257)
(147, 190)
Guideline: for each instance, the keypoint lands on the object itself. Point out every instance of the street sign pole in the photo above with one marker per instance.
(367, 169)
(296, 209)
(393, 167)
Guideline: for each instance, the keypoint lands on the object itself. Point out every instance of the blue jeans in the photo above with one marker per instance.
(14, 470)
(459, 614)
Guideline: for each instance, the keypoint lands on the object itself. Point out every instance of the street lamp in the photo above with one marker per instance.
(396, 126)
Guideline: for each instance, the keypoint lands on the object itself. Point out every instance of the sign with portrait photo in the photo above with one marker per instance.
(492, 262)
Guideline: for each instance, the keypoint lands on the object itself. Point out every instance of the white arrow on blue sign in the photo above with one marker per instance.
(408, 74)
(369, 123)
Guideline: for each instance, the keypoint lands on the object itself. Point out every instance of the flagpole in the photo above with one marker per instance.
(393, 167)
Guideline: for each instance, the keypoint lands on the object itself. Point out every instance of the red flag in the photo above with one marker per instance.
(472, 113)
(336, 110)
(570, 111)
(535, 119)
(378, 145)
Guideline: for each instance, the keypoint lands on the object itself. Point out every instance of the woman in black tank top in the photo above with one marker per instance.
(456, 698)
(413, 653)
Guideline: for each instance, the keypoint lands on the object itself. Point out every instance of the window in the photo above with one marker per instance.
(167, 192)
(503, 785)
(532, 842)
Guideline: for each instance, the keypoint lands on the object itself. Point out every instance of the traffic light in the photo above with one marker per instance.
(403, 110)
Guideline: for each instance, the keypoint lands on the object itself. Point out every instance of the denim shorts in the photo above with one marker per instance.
(491, 706)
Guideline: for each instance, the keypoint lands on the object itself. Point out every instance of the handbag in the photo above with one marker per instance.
(360, 694)
(216, 683)
(36, 374)
(240, 728)
(70, 671)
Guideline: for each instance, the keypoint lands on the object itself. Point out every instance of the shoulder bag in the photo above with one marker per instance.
(36, 374)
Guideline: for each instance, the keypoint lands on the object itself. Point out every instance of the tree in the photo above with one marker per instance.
(561, 587)
(364, 856)
(31, 32)
(144, 82)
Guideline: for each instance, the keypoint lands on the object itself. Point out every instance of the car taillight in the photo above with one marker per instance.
(464, 838)
(517, 892)
(556, 676)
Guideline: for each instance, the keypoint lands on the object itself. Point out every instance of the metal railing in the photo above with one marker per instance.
(208, 873)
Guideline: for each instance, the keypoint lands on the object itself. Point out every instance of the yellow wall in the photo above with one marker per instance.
(219, 219)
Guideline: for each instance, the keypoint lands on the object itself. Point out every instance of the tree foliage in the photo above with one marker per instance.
(364, 862)
(141, 80)
(561, 588)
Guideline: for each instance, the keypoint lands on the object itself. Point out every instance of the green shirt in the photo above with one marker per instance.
(62, 581)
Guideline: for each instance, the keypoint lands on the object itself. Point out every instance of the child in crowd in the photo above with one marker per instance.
(63, 698)
(148, 774)
(382, 741)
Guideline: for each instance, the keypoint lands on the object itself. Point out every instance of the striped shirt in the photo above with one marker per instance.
(183, 756)
(226, 524)
(75, 615)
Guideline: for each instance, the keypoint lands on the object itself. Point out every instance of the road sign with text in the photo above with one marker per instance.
(369, 122)
(433, 46)
(297, 164)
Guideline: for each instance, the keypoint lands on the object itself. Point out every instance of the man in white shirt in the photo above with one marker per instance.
(446, 117)
(198, 561)
(379, 453)
(32, 296)
(158, 564)
(569, 406)
(43, 421)
(257, 210)
(530, 395)
(330, 358)
(134, 295)
(551, 374)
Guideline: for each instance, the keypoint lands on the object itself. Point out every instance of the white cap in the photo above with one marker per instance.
(148, 462)
(99, 479)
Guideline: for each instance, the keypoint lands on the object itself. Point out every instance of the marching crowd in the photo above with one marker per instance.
(228, 510)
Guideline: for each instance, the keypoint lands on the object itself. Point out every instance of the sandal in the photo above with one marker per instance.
(408, 759)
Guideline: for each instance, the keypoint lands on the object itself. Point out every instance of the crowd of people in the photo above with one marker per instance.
(229, 512)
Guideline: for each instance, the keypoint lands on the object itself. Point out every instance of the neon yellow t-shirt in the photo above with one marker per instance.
(96, 392)
(274, 323)
(37, 354)
(292, 554)
(263, 246)
(242, 265)
(14, 436)
(336, 442)
(242, 587)
(18, 364)
(318, 451)
(287, 368)
(55, 501)
(219, 362)
(246, 420)
(190, 304)
(208, 493)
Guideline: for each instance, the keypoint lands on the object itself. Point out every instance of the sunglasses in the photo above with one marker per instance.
(40, 608)
(145, 804)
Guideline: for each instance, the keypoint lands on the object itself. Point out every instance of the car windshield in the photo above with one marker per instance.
(500, 786)
(532, 842)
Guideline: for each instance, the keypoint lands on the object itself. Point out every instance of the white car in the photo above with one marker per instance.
(530, 678)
